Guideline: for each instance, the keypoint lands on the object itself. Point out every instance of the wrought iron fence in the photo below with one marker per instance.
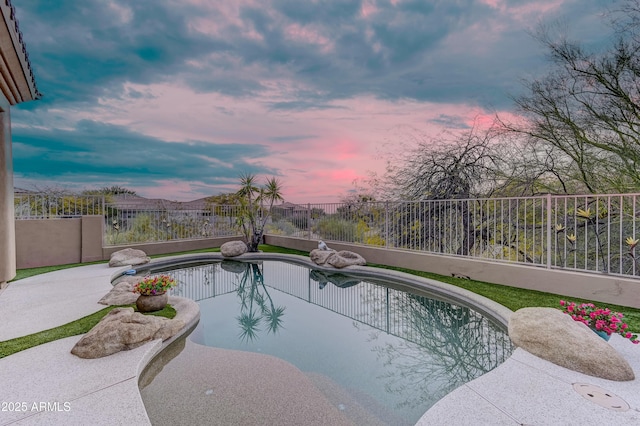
(591, 233)
(135, 223)
(46, 206)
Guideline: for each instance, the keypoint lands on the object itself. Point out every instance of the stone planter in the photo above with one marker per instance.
(152, 303)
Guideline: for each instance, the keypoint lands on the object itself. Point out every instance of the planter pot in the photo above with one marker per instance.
(602, 334)
(152, 303)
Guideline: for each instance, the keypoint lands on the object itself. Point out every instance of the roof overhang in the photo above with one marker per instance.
(17, 82)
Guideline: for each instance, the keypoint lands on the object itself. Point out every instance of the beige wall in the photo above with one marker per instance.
(91, 238)
(7, 232)
(598, 287)
(171, 246)
(49, 242)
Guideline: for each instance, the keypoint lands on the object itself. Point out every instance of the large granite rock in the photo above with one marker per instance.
(337, 259)
(552, 335)
(128, 256)
(124, 329)
(121, 293)
(345, 258)
(319, 257)
(233, 248)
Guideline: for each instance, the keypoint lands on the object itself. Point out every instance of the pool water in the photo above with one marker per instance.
(393, 352)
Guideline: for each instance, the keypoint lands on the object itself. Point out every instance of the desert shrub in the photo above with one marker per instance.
(333, 228)
(281, 227)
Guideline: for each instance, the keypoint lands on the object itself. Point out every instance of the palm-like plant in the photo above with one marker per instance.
(256, 202)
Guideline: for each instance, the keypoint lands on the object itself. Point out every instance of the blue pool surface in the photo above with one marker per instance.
(395, 352)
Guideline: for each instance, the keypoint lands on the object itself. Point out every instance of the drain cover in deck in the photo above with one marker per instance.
(601, 397)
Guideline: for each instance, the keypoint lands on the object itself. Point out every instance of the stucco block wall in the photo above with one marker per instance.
(166, 247)
(598, 287)
(48, 242)
(91, 239)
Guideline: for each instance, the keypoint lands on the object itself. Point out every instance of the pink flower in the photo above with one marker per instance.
(602, 319)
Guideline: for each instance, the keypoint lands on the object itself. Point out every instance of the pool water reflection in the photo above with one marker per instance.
(393, 351)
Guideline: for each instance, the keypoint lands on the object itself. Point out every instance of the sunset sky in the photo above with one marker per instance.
(176, 98)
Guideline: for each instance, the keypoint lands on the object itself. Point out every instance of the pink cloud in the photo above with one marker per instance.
(335, 145)
(309, 35)
(367, 9)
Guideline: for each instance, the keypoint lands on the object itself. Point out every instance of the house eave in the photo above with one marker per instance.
(17, 81)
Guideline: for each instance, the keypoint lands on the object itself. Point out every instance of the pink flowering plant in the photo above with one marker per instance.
(151, 286)
(601, 319)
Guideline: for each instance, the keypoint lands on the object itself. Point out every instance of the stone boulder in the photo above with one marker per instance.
(337, 259)
(554, 336)
(128, 256)
(345, 258)
(319, 257)
(233, 248)
(123, 329)
(121, 293)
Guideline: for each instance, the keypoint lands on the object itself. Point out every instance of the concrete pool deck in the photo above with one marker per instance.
(50, 386)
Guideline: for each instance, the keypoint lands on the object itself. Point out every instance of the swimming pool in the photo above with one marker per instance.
(390, 351)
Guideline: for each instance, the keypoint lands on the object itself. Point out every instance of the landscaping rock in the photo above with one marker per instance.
(128, 256)
(124, 329)
(121, 294)
(556, 337)
(319, 257)
(345, 258)
(233, 248)
(337, 259)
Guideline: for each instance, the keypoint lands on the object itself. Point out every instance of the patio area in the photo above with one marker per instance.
(48, 385)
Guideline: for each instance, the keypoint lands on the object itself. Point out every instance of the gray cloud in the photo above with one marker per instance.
(96, 152)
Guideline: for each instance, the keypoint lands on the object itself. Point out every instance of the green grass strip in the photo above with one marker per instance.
(74, 328)
(516, 298)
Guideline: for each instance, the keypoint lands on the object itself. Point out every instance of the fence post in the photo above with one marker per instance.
(308, 221)
(386, 224)
(549, 231)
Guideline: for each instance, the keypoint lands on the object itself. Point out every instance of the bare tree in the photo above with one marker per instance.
(452, 166)
(586, 111)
